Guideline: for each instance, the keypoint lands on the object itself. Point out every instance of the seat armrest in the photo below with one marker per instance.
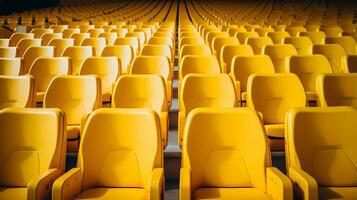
(304, 185)
(279, 186)
(68, 185)
(164, 130)
(40, 188)
(156, 184)
(181, 126)
(185, 184)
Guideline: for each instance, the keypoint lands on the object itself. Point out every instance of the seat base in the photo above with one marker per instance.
(114, 193)
(229, 193)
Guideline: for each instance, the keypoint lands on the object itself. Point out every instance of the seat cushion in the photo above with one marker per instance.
(229, 193)
(337, 192)
(13, 193)
(114, 193)
(275, 130)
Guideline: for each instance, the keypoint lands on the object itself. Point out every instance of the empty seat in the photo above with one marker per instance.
(79, 37)
(32, 152)
(95, 32)
(198, 64)
(17, 37)
(303, 45)
(143, 91)
(25, 44)
(204, 90)
(129, 155)
(332, 31)
(335, 54)
(189, 49)
(319, 157)
(316, 37)
(77, 96)
(98, 45)
(242, 36)
(258, 43)
(244, 66)
(347, 42)
(337, 90)
(7, 52)
(307, 68)
(33, 53)
(121, 32)
(229, 51)
(158, 50)
(67, 33)
(38, 32)
(16, 91)
(225, 155)
(154, 65)
(44, 70)
(190, 40)
(60, 45)
(58, 28)
(48, 37)
(109, 37)
(212, 35)
(263, 31)
(107, 69)
(279, 54)
(219, 42)
(273, 95)
(278, 37)
(77, 55)
(124, 53)
(140, 36)
(294, 31)
(161, 41)
(10, 66)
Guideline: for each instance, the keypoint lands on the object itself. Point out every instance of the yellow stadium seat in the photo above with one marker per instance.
(79, 37)
(278, 37)
(332, 31)
(263, 31)
(109, 28)
(316, 37)
(7, 52)
(140, 36)
(229, 51)
(204, 90)
(33, 53)
(132, 41)
(98, 45)
(10, 66)
(154, 65)
(130, 27)
(100, 24)
(77, 55)
(295, 31)
(17, 37)
(347, 42)
(109, 37)
(107, 69)
(95, 32)
(33, 152)
(121, 32)
(273, 95)
(67, 33)
(335, 54)
(147, 33)
(232, 31)
(279, 54)
(303, 45)
(243, 36)
(124, 54)
(129, 155)
(225, 155)
(158, 50)
(258, 44)
(161, 41)
(352, 34)
(190, 40)
(48, 37)
(143, 91)
(25, 44)
(307, 68)
(219, 42)
(38, 32)
(337, 90)
(58, 28)
(319, 159)
(190, 49)
(198, 64)
(60, 45)
(77, 96)
(85, 27)
(212, 35)
(44, 70)
(16, 91)
(244, 66)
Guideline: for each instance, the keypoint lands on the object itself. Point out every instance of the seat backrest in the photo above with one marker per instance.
(126, 148)
(33, 53)
(140, 91)
(294, 31)
(207, 90)
(278, 37)
(219, 42)
(47, 37)
(258, 43)
(25, 44)
(124, 53)
(32, 141)
(110, 37)
(106, 68)
(60, 45)
(17, 37)
(225, 138)
(244, 66)
(337, 90)
(45, 69)
(316, 37)
(98, 44)
(332, 31)
(335, 54)
(275, 94)
(140, 36)
(190, 40)
(314, 144)
(121, 32)
(67, 33)
(58, 28)
(263, 31)
(189, 49)
(38, 32)
(75, 95)
(157, 50)
(198, 64)
(307, 68)
(7, 52)
(151, 65)
(212, 35)
(161, 41)
(279, 53)
(16, 91)
(242, 36)
(79, 37)
(303, 44)
(347, 42)
(77, 55)
(132, 41)
(95, 32)
(10, 66)
(229, 51)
